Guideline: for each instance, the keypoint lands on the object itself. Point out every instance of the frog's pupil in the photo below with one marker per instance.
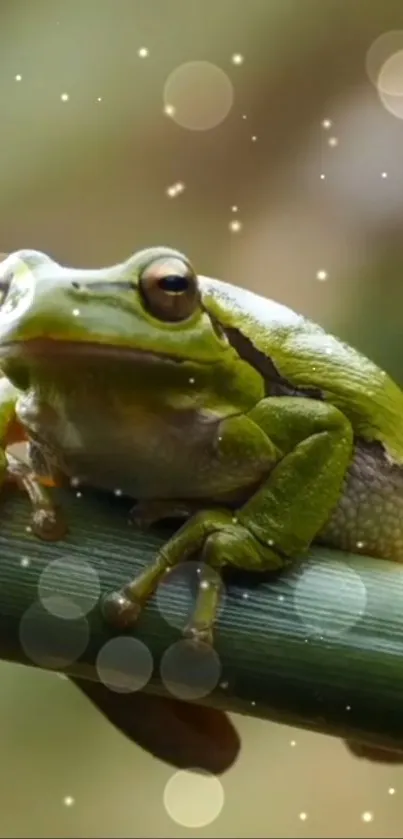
(173, 284)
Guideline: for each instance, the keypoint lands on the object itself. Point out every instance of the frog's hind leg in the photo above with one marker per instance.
(222, 541)
(234, 545)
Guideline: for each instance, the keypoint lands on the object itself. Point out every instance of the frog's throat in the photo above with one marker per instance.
(47, 348)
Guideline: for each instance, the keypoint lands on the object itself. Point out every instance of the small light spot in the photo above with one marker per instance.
(25, 562)
(270, 543)
(142, 52)
(391, 790)
(333, 142)
(169, 110)
(322, 176)
(340, 606)
(253, 703)
(235, 226)
(360, 545)
(18, 77)
(245, 595)
(65, 97)
(303, 816)
(124, 664)
(50, 642)
(224, 685)
(384, 175)
(193, 798)
(74, 482)
(389, 81)
(187, 577)
(55, 582)
(99, 99)
(326, 124)
(293, 743)
(28, 529)
(321, 275)
(205, 585)
(175, 189)
(328, 351)
(117, 492)
(367, 816)
(189, 672)
(254, 138)
(234, 520)
(68, 801)
(76, 313)
(191, 381)
(202, 95)
(79, 495)
(234, 208)
(237, 58)
(280, 598)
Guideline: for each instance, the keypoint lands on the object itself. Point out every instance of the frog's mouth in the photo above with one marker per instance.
(47, 349)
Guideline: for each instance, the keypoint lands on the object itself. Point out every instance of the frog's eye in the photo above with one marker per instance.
(169, 289)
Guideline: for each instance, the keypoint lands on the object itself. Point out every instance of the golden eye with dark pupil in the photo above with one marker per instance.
(169, 289)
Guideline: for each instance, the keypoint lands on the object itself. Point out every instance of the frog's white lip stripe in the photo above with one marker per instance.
(43, 348)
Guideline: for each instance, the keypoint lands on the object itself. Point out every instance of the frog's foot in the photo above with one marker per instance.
(146, 513)
(122, 608)
(47, 521)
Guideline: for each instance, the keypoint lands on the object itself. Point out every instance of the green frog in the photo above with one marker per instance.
(199, 400)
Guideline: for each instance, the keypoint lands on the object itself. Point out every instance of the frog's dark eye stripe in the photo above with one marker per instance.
(107, 285)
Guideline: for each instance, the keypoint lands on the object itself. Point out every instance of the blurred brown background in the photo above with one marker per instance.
(294, 188)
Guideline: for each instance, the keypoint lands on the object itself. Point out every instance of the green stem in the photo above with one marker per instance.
(320, 646)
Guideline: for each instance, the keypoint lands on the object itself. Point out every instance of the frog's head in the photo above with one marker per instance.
(147, 310)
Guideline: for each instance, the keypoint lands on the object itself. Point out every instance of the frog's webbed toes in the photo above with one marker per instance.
(200, 635)
(48, 523)
(119, 610)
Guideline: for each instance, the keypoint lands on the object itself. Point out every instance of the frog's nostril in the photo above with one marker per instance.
(76, 286)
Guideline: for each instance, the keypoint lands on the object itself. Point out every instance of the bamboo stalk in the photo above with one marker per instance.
(320, 646)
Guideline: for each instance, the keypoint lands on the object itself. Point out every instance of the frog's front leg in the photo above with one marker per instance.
(314, 443)
(47, 522)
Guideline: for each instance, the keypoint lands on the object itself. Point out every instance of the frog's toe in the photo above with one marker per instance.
(48, 524)
(199, 634)
(119, 610)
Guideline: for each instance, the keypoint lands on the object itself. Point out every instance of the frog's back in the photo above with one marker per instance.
(306, 357)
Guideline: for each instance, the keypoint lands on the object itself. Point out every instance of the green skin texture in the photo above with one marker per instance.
(263, 430)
